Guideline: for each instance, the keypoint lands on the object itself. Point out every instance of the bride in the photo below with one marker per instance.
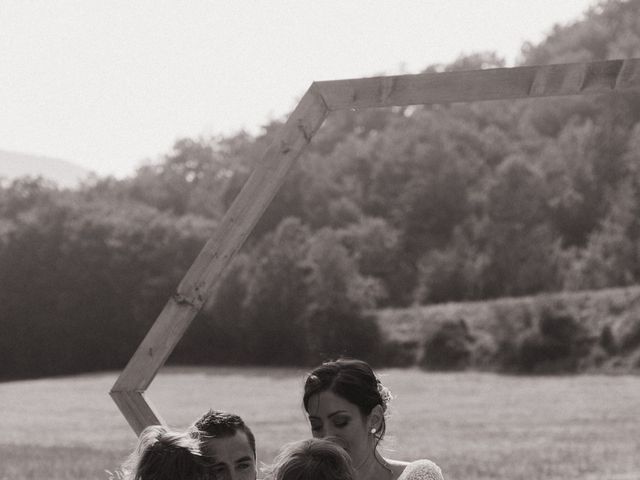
(345, 399)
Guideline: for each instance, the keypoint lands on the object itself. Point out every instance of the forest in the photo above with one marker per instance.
(387, 208)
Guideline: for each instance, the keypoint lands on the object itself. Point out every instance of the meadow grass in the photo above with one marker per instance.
(474, 425)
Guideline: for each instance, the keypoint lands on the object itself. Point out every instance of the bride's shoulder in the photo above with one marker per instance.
(418, 470)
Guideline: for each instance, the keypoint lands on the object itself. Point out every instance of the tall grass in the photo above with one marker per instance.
(474, 425)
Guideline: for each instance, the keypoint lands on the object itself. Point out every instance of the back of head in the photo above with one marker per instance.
(218, 424)
(162, 454)
(313, 459)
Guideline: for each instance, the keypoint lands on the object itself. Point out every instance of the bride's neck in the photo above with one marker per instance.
(373, 467)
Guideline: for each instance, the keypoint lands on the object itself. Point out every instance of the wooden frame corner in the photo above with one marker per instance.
(268, 175)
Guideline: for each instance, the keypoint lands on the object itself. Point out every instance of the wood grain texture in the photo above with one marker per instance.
(475, 85)
(629, 76)
(136, 410)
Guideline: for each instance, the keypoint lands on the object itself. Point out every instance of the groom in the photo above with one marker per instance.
(229, 443)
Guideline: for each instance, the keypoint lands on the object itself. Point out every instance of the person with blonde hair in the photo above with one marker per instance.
(313, 459)
(163, 454)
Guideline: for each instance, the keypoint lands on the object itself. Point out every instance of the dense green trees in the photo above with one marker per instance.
(82, 281)
(388, 207)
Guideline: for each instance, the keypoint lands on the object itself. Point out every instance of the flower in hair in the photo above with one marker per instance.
(385, 395)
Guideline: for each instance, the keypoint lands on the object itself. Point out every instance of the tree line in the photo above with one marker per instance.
(386, 208)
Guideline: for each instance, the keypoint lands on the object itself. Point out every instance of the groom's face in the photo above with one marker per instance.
(232, 457)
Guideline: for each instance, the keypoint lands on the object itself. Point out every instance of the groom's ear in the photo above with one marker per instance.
(375, 418)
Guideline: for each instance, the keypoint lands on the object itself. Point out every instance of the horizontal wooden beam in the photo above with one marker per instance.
(475, 85)
(268, 175)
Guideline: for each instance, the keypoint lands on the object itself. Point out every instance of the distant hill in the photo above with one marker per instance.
(65, 174)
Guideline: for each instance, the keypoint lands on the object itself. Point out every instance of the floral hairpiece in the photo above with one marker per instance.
(385, 395)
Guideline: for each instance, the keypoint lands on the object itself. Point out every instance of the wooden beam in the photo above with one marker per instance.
(474, 85)
(136, 409)
(295, 135)
(237, 223)
(629, 76)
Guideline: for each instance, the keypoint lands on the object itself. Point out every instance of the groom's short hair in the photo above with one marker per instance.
(218, 424)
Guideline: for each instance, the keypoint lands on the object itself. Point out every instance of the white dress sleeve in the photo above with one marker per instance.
(421, 470)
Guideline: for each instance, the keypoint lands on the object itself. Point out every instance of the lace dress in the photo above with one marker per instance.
(421, 470)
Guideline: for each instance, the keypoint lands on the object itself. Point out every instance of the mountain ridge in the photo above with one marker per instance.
(64, 173)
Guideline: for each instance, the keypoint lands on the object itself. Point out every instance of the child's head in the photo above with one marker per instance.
(162, 454)
(313, 459)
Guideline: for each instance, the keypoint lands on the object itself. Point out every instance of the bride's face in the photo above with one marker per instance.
(332, 416)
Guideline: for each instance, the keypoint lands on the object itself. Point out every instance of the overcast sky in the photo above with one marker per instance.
(110, 84)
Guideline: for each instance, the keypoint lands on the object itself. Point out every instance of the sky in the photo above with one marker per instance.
(110, 85)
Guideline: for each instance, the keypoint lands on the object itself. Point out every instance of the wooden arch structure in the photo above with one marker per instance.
(320, 99)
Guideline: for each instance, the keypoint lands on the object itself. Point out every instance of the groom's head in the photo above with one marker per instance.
(229, 443)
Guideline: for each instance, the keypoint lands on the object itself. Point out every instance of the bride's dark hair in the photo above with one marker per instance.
(351, 379)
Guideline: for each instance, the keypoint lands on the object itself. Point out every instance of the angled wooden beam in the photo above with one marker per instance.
(194, 289)
(136, 410)
(475, 85)
(295, 135)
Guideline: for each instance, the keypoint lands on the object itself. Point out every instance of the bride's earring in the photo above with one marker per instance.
(373, 430)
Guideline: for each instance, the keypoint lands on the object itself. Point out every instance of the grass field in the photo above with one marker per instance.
(474, 425)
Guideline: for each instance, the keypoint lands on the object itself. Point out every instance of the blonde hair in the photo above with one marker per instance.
(313, 459)
(163, 454)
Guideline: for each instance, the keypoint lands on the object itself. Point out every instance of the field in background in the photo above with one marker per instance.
(474, 425)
